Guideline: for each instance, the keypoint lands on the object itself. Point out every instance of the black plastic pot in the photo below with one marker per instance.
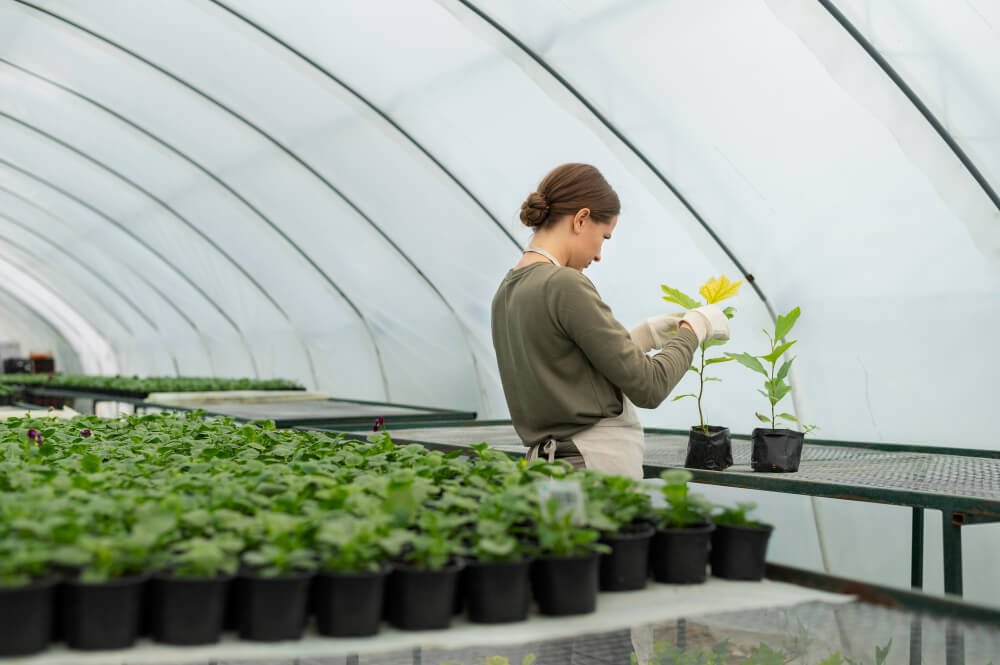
(419, 599)
(348, 604)
(498, 592)
(273, 609)
(712, 451)
(102, 615)
(776, 450)
(740, 552)
(26, 617)
(680, 556)
(626, 567)
(566, 585)
(187, 611)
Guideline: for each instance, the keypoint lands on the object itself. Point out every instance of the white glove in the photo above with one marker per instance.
(654, 332)
(708, 322)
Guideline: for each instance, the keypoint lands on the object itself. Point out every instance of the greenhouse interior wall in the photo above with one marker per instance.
(328, 192)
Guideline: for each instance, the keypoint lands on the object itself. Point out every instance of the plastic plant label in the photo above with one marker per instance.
(568, 496)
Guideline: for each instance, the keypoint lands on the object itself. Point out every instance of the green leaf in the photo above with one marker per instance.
(90, 463)
(787, 416)
(712, 378)
(730, 312)
(709, 343)
(694, 369)
(762, 418)
(683, 396)
(748, 361)
(785, 366)
(780, 391)
(881, 653)
(679, 297)
(785, 323)
(774, 355)
(713, 361)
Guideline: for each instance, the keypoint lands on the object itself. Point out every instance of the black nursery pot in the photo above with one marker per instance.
(625, 568)
(26, 617)
(740, 552)
(497, 592)
(348, 604)
(187, 611)
(419, 599)
(102, 615)
(273, 609)
(777, 450)
(680, 555)
(566, 585)
(712, 451)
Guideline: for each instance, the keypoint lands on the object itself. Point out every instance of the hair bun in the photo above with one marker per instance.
(534, 210)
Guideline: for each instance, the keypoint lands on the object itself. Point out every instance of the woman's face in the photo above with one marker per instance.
(590, 241)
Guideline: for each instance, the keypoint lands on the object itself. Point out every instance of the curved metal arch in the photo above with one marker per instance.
(283, 148)
(256, 211)
(218, 308)
(386, 118)
(34, 257)
(914, 98)
(8, 293)
(374, 109)
(138, 275)
(618, 134)
(100, 278)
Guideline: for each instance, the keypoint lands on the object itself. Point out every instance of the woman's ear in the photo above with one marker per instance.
(579, 218)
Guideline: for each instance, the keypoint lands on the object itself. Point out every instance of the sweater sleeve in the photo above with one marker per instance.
(581, 315)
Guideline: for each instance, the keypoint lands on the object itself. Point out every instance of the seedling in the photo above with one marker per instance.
(715, 290)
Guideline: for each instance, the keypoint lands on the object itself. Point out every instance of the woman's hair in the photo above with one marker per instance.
(564, 191)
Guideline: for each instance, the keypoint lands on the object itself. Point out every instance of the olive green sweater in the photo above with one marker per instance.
(565, 360)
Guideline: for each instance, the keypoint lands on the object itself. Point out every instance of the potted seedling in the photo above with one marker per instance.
(679, 553)
(774, 448)
(274, 580)
(496, 581)
(101, 604)
(739, 544)
(189, 594)
(618, 507)
(565, 577)
(709, 446)
(422, 588)
(26, 593)
(350, 581)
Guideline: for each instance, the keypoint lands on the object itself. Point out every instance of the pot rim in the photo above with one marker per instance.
(701, 527)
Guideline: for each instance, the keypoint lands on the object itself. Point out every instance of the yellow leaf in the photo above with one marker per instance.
(718, 289)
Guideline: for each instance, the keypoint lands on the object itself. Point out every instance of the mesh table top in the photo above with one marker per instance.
(946, 482)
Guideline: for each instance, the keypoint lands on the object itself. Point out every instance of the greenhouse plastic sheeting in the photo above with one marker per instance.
(328, 192)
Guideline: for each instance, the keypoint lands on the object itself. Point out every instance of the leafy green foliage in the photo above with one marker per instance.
(198, 497)
(683, 509)
(776, 386)
(736, 515)
(146, 385)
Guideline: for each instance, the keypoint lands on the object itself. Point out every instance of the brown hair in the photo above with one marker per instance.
(564, 191)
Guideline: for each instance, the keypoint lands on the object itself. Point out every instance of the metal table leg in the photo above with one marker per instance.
(952, 538)
(917, 549)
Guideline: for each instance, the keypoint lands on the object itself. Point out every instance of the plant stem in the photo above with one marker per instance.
(701, 389)
(773, 403)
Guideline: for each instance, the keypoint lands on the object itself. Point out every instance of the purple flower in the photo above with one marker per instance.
(86, 433)
(35, 436)
(379, 424)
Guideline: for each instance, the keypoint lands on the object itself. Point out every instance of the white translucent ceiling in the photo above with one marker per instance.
(328, 191)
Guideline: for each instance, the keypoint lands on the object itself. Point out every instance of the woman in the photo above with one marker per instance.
(570, 371)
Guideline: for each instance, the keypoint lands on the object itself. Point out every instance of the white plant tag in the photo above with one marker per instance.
(568, 497)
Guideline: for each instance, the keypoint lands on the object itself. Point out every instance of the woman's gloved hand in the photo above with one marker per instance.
(654, 332)
(708, 322)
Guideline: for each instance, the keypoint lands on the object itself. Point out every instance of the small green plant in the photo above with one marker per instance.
(683, 509)
(614, 502)
(715, 290)
(736, 515)
(776, 378)
(349, 544)
(558, 533)
(204, 557)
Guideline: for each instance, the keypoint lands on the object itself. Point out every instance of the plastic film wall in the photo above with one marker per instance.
(328, 192)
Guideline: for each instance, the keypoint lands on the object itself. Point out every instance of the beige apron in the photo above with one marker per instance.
(612, 445)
